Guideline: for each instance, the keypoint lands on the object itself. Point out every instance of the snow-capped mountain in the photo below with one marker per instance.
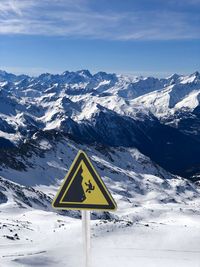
(157, 116)
(13, 195)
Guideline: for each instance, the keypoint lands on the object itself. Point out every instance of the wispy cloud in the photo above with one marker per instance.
(76, 18)
(14, 7)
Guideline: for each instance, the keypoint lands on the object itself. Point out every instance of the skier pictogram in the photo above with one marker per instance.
(90, 187)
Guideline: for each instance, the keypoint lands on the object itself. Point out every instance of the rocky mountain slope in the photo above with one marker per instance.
(160, 117)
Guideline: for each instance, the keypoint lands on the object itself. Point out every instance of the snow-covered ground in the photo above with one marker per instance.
(170, 237)
(156, 224)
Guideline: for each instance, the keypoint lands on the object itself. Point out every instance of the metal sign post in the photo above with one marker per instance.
(83, 189)
(86, 237)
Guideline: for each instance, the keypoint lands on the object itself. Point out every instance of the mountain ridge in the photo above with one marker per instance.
(115, 110)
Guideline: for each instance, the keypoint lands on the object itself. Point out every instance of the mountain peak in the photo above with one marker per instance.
(196, 74)
(101, 75)
(84, 73)
(5, 76)
(3, 72)
(174, 76)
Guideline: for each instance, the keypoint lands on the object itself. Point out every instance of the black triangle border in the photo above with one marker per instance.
(76, 206)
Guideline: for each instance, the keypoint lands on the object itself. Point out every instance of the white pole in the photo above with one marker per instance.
(86, 236)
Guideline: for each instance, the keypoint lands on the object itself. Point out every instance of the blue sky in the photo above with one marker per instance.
(140, 37)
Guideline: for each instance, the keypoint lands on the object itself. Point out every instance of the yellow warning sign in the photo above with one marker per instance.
(83, 188)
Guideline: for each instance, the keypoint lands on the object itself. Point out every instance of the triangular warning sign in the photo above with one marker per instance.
(83, 188)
